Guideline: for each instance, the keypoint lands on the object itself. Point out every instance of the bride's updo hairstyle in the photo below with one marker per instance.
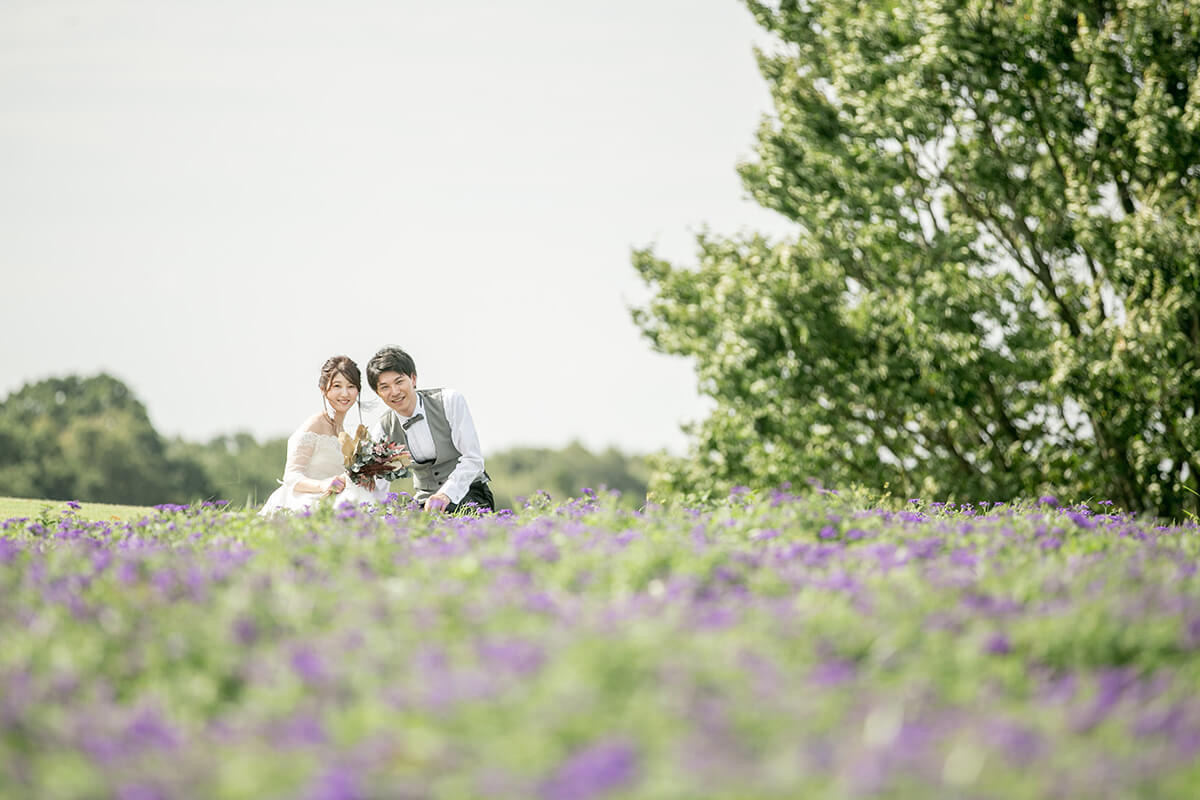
(339, 365)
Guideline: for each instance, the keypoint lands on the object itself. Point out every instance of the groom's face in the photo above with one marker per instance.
(399, 391)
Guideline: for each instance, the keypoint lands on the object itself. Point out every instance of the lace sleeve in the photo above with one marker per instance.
(299, 453)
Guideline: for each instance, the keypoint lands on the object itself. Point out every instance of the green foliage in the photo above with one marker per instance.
(543, 475)
(89, 438)
(992, 291)
(242, 469)
(522, 472)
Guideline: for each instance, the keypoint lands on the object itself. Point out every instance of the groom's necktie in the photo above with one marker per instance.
(409, 422)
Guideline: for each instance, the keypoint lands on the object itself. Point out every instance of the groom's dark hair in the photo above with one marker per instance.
(389, 359)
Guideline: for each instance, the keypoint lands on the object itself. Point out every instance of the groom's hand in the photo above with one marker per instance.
(437, 503)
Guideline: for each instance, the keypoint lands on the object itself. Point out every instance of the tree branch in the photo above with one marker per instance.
(994, 451)
(943, 435)
(1066, 181)
(1124, 475)
(1040, 272)
(1007, 424)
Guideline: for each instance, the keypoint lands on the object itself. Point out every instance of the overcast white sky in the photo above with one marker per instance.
(207, 199)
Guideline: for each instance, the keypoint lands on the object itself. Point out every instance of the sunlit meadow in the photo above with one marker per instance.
(771, 645)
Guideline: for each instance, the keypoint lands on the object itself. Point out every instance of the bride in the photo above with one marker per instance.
(314, 467)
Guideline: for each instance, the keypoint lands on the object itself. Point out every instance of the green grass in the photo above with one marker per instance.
(23, 507)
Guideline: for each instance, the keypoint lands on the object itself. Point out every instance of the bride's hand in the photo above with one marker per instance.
(335, 484)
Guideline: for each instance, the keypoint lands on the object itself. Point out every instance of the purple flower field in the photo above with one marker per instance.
(769, 646)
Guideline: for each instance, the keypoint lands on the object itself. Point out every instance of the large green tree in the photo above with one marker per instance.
(89, 439)
(994, 286)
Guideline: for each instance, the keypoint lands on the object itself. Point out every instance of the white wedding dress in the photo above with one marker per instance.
(316, 456)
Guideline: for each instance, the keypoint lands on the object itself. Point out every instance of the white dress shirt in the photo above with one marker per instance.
(462, 433)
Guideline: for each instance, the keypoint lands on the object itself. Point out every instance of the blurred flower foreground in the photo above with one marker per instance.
(766, 646)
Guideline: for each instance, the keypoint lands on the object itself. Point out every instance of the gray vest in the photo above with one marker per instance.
(428, 476)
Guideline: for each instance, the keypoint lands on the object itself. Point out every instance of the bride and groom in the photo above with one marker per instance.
(434, 426)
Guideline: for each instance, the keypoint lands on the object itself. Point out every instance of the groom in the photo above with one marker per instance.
(436, 428)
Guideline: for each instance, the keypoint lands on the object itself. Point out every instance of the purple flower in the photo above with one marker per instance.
(301, 729)
(997, 644)
(338, 783)
(1165, 722)
(245, 631)
(540, 603)
(1048, 500)
(149, 729)
(963, 557)
(1082, 520)
(71, 504)
(627, 536)
(779, 497)
(925, 548)
(592, 772)
(833, 672)
(164, 581)
(1060, 690)
(8, 550)
(1020, 745)
(1191, 634)
(516, 656)
(715, 616)
(308, 665)
(128, 572)
(140, 791)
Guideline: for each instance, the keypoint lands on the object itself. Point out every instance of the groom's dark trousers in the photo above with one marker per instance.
(479, 494)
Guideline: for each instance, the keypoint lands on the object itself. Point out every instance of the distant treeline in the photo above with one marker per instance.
(89, 438)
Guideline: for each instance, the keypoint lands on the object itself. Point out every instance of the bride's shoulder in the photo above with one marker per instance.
(316, 425)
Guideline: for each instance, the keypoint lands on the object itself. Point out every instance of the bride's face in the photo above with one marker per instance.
(341, 393)
(399, 391)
